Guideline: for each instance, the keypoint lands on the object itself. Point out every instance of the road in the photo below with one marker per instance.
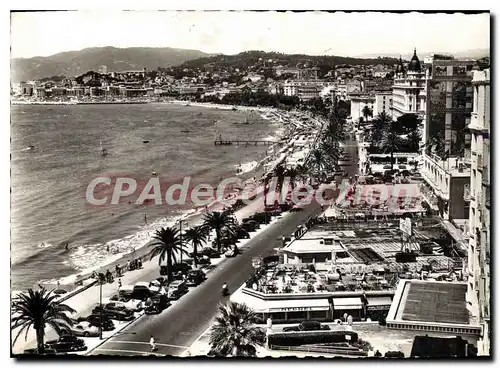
(176, 328)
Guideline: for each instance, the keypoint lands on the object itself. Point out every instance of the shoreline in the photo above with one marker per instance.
(193, 216)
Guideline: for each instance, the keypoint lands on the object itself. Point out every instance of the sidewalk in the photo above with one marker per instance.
(86, 300)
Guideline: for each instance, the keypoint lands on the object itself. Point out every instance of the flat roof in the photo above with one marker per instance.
(430, 302)
(313, 246)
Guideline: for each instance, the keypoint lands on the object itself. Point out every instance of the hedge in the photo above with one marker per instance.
(310, 337)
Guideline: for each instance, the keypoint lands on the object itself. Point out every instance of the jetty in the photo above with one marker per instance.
(222, 142)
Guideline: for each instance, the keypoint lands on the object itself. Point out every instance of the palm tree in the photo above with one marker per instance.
(367, 112)
(167, 243)
(391, 142)
(219, 221)
(293, 173)
(38, 309)
(380, 124)
(234, 332)
(279, 172)
(320, 161)
(198, 236)
(413, 141)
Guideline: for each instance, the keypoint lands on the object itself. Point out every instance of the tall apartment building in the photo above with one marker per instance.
(408, 90)
(478, 290)
(383, 102)
(449, 96)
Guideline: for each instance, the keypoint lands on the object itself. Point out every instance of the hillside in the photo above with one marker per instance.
(73, 63)
(245, 59)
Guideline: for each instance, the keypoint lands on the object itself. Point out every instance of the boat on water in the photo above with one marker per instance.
(185, 131)
(145, 141)
(234, 108)
(154, 173)
(29, 148)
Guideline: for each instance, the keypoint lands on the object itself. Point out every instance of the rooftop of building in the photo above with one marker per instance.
(431, 302)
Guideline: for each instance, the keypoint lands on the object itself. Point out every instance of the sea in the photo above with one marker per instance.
(49, 181)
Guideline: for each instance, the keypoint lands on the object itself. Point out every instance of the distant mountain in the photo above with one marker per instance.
(73, 63)
(467, 54)
(263, 60)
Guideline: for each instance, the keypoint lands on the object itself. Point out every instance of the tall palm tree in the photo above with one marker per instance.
(38, 309)
(320, 161)
(198, 236)
(219, 221)
(167, 243)
(367, 112)
(234, 332)
(390, 142)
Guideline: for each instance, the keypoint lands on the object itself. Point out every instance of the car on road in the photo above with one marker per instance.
(307, 326)
(195, 277)
(66, 344)
(85, 329)
(231, 252)
(242, 233)
(176, 289)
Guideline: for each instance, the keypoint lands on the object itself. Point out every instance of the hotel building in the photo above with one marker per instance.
(408, 91)
(478, 290)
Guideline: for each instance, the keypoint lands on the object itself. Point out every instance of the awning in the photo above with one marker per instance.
(294, 305)
(381, 301)
(347, 303)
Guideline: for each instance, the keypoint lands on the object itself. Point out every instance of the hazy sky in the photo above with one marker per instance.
(314, 33)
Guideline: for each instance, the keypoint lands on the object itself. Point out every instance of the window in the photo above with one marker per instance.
(296, 316)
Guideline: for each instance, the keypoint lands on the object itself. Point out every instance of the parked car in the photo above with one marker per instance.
(95, 320)
(66, 343)
(135, 305)
(209, 252)
(195, 277)
(119, 315)
(85, 329)
(242, 233)
(156, 304)
(307, 326)
(141, 291)
(250, 226)
(176, 289)
(176, 268)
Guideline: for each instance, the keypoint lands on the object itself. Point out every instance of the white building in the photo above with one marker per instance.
(409, 96)
(478, 290)
(383, 103)
(358, 103)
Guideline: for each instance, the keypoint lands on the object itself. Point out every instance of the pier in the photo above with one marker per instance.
(221, 142)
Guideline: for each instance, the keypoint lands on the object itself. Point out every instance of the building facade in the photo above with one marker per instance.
(383, 103)
(408, 89)
(358, 103)
(478, 290)
(446, 160)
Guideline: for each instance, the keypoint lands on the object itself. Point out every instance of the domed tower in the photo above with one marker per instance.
(414, 66)
(400, 68)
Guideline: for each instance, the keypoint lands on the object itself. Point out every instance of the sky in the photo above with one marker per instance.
(313, 33)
